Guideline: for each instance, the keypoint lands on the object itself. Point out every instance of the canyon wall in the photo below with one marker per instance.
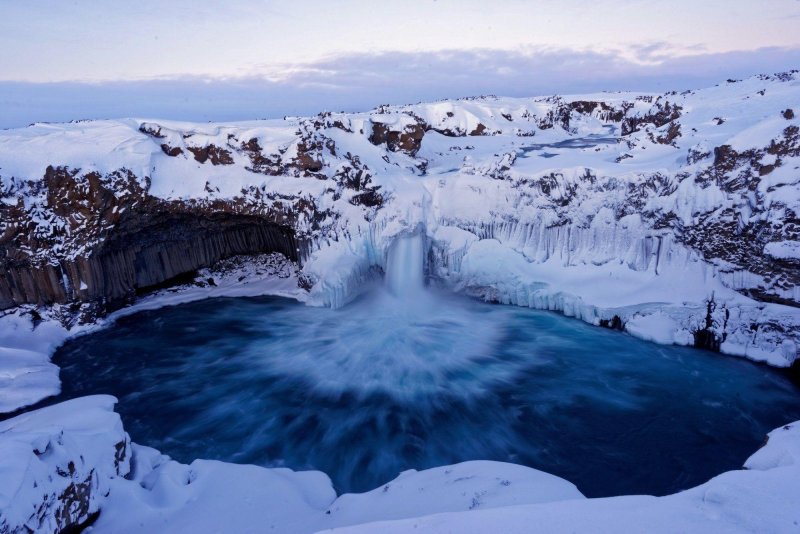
(159, 248)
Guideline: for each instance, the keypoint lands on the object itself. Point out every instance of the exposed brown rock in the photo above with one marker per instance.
(663, 114)
(171, 151)
(212, 153)
(369, 198)
(307, 157)
(409, 140)
(673, 132)
(479, 130)
(607, 113)
(153, 130)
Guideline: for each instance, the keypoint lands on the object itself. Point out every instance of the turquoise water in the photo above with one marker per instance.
(383, 385)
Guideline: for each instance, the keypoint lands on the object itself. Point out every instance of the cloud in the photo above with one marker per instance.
(361, 81)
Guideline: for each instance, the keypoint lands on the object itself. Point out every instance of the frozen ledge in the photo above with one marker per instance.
(685, 303)
(760, 498)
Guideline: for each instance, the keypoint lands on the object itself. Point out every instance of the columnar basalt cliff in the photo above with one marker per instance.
(124, 241)
(672, 216)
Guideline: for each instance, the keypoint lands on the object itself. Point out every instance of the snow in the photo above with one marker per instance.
(784, 250)
(657, 327)
(270, 274)
(762, 498)
(46, 453)
(457, 488)
(26, 374)
(211, 496)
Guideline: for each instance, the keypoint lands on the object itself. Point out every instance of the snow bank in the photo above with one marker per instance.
(784, 250)
(762, 498)
(57, 464)
(26, 374)
(211, 496)
(664, 298)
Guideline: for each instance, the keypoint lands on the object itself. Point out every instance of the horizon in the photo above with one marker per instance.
(267, 59)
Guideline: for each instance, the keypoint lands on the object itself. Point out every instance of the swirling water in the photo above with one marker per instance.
(381, 386)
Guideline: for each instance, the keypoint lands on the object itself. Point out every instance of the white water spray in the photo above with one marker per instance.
(405, 272)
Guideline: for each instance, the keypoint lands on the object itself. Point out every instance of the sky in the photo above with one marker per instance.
(214, 60)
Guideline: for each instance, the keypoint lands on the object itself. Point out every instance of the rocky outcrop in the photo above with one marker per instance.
(143, 253)
(408, 139)
(108, 239)
(211, 153)
(662, 113)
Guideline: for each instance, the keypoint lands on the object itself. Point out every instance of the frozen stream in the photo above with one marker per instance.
(389, 383)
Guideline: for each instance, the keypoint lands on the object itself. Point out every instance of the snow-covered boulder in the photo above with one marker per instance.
(166, 496)
(57, 464)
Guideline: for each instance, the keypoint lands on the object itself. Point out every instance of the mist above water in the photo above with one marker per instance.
(401, 339)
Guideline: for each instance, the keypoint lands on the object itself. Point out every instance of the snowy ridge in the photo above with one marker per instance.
(675, 213)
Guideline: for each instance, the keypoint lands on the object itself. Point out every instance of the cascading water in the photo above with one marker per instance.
(405, 272)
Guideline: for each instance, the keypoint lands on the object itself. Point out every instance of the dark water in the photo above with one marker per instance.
(380, 386)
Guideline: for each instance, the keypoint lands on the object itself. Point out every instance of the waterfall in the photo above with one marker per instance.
(405, 265)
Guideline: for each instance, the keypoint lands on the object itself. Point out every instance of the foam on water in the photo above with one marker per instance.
(408, 347)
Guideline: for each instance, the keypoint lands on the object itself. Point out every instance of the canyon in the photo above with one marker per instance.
(671, 217)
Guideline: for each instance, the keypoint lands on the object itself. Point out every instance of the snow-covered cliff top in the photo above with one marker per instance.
(690, 199)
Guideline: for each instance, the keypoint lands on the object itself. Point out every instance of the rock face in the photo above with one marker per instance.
(160, 248)
(126, 240)
(57, 464)
(694, 195)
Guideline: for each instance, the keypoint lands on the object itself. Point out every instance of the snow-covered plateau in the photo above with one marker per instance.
(674, 217)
